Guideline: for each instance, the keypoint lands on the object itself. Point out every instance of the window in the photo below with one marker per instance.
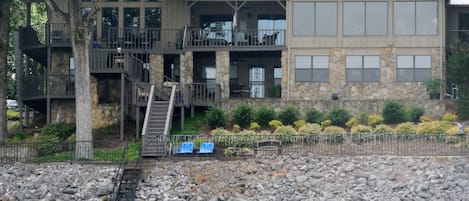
(362, 68)
(416, 18)
(414, 68)
(312, 68)
(131, 17)
(314, 18)
(92, 23)
(365, 18)
(110, 20)
(71, 68)
(278, 76)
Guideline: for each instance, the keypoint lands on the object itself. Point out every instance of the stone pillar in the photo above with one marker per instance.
(337, 72)
(223, 72)
(187, 67)
(156, 68)
(284, 65)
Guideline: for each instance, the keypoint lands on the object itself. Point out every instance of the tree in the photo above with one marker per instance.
(4, 30)
(80, 39)
(458, 72)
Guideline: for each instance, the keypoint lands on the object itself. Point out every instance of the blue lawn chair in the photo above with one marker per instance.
(186, 148)
(206, 148)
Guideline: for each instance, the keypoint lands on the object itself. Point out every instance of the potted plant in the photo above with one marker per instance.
(433, 87)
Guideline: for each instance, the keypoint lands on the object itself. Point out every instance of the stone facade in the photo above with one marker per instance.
(433, 108)
(156, 68)
(223, 72)
(63, 111)
(187, 67)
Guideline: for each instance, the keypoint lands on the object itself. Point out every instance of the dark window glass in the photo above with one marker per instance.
(110, 21)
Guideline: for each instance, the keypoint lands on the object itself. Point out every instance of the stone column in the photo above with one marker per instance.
(223, 72)
(187, 67)
(284, 65)
(156, 68)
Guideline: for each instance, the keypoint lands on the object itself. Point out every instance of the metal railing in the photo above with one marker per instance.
(144, 39)
(336, 144)
(34, 86)
(226, 37)
(55, 151)
(61, 85)
(456, 36)
(109, 61)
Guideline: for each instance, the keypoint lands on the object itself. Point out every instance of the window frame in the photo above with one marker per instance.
(315, 19)
(362, 69)
(415, 32)
(312, 69)
(414, 69)
(364, 22)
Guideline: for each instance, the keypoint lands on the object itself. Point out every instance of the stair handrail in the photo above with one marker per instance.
(148, 111)
(169, 115)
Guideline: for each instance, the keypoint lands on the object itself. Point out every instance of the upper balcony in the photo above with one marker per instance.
(456, 36)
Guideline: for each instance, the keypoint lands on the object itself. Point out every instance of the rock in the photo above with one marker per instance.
(69, 190)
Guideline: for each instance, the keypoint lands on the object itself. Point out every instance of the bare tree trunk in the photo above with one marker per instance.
(80, 45)
(4, 32)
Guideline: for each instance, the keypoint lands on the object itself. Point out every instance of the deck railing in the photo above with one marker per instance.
(144, 39)
(34, 86)
(457, 36)
(228, 38)
(61, 85)
(109, 61)
(58, 34)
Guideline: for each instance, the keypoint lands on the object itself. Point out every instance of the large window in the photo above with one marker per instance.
(414, 68)
(365, 18)
(132, 17)
(110, 20)
(416, 18)
(312, 68)
(362, 68)
(314, 18)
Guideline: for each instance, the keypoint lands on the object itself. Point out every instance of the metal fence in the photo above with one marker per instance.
(52, 151)
(331, 144)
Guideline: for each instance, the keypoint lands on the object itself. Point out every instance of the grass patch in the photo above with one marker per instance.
(191, 125)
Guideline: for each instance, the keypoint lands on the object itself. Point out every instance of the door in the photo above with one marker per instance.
(256, 81)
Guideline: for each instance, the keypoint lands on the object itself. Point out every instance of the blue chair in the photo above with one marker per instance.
(186, 148)
(206, 148)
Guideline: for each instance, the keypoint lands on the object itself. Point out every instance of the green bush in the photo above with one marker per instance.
(312, 129)
(352, 122)
(383, 129)
(374, 120)
(299, 123)
(284, 130)
(61, 130)
(243, 115)
(339, 116)
(275, 123)
(264, 115)
(13, 115)
(216, 117)
(247, 132)
(393, 112)
(413, 114)
(405, 129)
(220, 131)
(433, 127)
(334, 134)
(449, 117)
(288, 115)
(361, 133)
(463, 104)
(254, 126)
(326, 123)
(236, 128)
(47, 145)
(452, 135)
(363, 118)
(425, 118)
(314, 116)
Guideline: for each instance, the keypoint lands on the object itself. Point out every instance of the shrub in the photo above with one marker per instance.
(265, 132)
(449, 116)
(334, 134)
(264, 115)
(425, 118)
(285, 130)
(275, 123)
(220, 131)
(433, 127)
(406, 128)
(243, 115)
(314, 116)
(299, 123)
(236, 128)
(383, 129)
(61, 130)
(309, 128)
(254, 126)
(413, 114)
(247, 132)
(288, 115)
(361, 133)
(339, 116)
(463, 104)
(363, 118)
(47, 145)
(352, 122)
(374, 120)
(216, 117)
(452, 135)
(13, 115)
(393, 112)
(326, 123)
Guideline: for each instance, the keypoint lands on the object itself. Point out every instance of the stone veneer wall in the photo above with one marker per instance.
(434, 108)
(387, 88)
(223, 72)
(156, 68)
(63, 111)
(187, 67)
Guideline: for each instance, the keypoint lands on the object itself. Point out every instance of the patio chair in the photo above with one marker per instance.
(186, 148)
(206, 148)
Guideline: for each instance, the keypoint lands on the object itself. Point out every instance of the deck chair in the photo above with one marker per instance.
(206, 148)
(186, 148)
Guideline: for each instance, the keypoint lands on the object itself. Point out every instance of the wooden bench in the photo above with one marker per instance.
(268, 146)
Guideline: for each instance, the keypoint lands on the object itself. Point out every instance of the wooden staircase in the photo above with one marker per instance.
(155, 144)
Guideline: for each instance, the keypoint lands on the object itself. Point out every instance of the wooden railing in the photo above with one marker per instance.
(59, 85)
(224, 38)
(58, 34)
(34, 86)
(109, 61)
(145, 39)
(457, 36)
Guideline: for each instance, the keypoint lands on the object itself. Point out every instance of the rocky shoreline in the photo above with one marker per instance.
(286, 177)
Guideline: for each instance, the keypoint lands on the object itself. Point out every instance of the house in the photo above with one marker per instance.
(335, 53)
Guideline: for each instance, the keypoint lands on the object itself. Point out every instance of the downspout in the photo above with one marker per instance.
(288, 47)
(442, 35)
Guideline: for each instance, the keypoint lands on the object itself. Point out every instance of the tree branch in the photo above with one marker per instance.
(52, 5)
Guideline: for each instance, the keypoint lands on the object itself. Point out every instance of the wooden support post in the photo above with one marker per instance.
(122, 106)
(137, 123)
(182, 118)
(19, 77)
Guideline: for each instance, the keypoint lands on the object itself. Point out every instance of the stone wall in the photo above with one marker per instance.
(156, 68)
(187, 67)
(386, 88)
(223, 72)
(106, 114)
(63, 111)
(434, 108)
